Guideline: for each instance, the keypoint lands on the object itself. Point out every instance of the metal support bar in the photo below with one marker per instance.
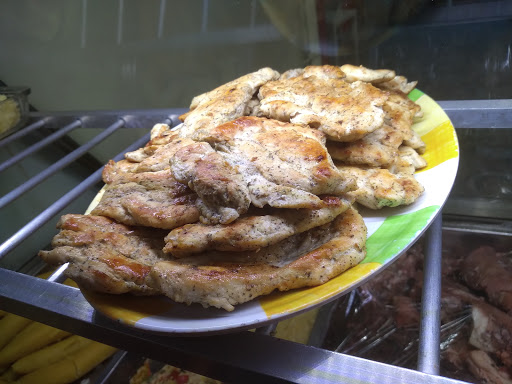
(479, 113)
(54, 168)
(40, 144)
(244, 357)
(428, 349)
(25, 131)
(60, 204)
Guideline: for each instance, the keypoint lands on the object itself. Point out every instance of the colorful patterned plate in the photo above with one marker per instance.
(390, 232)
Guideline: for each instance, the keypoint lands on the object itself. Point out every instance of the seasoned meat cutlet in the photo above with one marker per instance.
(385, 79)
(222, 191)
(377, 149)
(107, 256)
(152, 199)
(258, 229)
(398, 84)
(141, 190)
(225, 279)
(360, 73)
(110, 257)
(322, 99)
(155, 155)
(282, 165)
(225, 103)
(378, 188)
(380, 148)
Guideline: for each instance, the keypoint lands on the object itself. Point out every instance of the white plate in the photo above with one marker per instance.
(390, 232)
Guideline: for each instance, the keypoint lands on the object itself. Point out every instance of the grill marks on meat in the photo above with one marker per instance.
(110, 257)
(141, 189)
(252, 232)
(322, 99)
(225, 103)
(225, 279)
(152, 199)
(107, 256)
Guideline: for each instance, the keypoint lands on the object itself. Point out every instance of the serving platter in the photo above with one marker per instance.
(391, 231)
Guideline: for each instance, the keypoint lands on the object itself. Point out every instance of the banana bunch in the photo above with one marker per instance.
(31, 352)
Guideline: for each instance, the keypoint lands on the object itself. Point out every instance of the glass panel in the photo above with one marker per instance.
(92, 54)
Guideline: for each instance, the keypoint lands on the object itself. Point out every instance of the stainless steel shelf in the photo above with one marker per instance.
(241, 357)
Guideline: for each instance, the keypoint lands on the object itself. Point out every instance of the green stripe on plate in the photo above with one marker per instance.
(395, 233)
(415, 94)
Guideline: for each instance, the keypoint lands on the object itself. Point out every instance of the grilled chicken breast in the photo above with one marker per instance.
(378, 188)
(225, 103)
(107, 256)
(222, 190)
(322, 99)
(380, 148)
(152, 199)
(377, 149)
(385, 79)
(360, 73)
(259, 229)
(225, 279)
(282, 165)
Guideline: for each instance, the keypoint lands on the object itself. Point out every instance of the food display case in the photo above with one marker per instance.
(102, 75)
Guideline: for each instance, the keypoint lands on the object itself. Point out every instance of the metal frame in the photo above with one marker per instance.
(241, 357)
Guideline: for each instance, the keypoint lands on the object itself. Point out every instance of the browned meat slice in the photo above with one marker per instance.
(400, 112)
(382, 78)
(407, 162)
(378, 188)
(106, 256)
(492, 331)
(377, 149)
(484, 368)
(406, 311)
(258, 230)
(224, 279)
(483, 270)
(223, 193)
(380, 147)
(283, 165)
(155, 155)
(225, 103)
(416, 143)
(152, 199)
(398, 84)
(322, 99)
(360, 73)
(141, 189)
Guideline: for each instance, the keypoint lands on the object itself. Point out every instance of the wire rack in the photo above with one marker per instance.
(247, 357)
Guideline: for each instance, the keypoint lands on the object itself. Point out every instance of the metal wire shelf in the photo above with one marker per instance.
(241, 357)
